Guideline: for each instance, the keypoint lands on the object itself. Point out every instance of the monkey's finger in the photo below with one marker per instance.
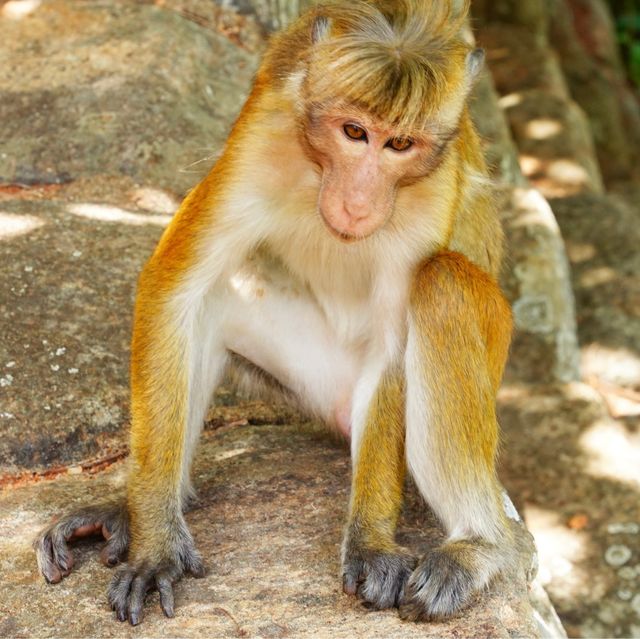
(350, 582)
(193, 564)
(165, 588)
(136, 599)
(114, 550)
(62, 556)
(44, 557)
(119, 592)
(109, 556)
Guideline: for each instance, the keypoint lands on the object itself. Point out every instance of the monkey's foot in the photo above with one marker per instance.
(378, 578)
(132, 581)
(446, 579)
(54, 557)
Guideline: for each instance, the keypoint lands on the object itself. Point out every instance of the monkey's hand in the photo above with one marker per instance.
(377, 577)
(110, 520)
(148, 571)
(446, 579)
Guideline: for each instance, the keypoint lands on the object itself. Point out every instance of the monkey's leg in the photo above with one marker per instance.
(177, 359)
(373, 566)
(459, 332)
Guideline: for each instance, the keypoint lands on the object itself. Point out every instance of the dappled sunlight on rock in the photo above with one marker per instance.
(597, 276)
(155, 200)
(612, 452)
(580, 252)
(568, 172)
(18, 9)
(14, 225)
(538, 288)
(534, 210)
(560, 549)
(621, 401)
(616, 365)
(543, 128)
(555, 178)
(510, 100)
(105, 213)
(228, 454)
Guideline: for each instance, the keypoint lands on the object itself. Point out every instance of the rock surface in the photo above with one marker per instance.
(573, 453)
(121, 89)
(269, 524)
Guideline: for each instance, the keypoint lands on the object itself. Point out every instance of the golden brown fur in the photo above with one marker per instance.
(360, 278)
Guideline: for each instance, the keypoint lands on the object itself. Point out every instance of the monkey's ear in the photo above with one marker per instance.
(475, 62)
(321, 29)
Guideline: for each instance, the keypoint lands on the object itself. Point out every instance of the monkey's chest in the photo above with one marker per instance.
(337, 301)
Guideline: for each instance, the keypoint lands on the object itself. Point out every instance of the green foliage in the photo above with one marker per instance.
(627, 15)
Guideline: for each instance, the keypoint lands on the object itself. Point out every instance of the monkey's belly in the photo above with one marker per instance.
(273, 322)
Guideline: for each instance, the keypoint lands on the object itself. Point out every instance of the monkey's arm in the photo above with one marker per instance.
(374, 566)
(459, 334)
(178, 357)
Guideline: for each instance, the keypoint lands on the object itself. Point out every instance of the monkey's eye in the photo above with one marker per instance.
(355, 132)
(400, 144)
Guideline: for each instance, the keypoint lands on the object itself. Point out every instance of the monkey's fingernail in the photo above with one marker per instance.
(349, 585)
(169, 612)
(121, 615)
(134, 619)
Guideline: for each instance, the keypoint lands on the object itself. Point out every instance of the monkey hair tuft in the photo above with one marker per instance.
(395, 59)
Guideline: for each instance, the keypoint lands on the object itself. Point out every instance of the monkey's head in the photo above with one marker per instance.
(384, 87)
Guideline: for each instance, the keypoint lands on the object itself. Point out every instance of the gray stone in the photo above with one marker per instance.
(122, 90)
(555, 143)
(538, 285)
(617, 555)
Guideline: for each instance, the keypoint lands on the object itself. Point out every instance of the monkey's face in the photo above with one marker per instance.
(364, 162)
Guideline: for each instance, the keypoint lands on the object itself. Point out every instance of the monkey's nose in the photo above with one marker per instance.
(356, 210)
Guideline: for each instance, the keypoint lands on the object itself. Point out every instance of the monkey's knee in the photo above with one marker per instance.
(459, 285)
(452, 300)
(54, 557)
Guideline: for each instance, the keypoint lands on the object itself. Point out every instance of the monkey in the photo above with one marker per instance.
(346, 247)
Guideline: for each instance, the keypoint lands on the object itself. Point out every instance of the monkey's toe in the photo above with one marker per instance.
(377, 578)
(132, 581)
(438, 588)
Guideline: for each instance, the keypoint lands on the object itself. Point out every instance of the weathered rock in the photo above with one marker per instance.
(602, 236)
(269, 523)
(554, 139)
(553, 136)
(536, 276)
(566, 47)
(68, 278)
(498, 146)
(508, 46)
(574, 470)
(273, 14)
(532, 15)
(121, 90)
(537, 282)
(582, 33)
